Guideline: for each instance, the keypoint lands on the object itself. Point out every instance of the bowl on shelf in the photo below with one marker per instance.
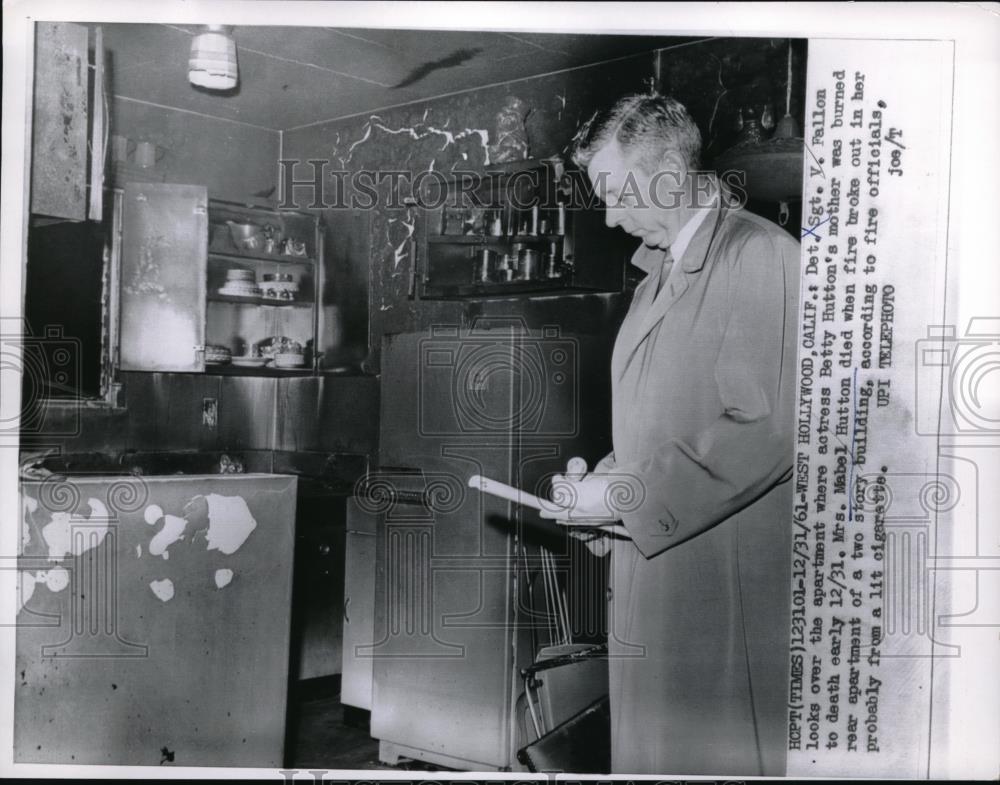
(289, 360)
(276, 345)
(279, 286)
(246, 236)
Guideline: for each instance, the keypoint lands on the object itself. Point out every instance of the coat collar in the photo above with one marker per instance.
(649, 258)
(649, 309)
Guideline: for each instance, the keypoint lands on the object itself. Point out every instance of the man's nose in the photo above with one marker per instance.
(613, 216)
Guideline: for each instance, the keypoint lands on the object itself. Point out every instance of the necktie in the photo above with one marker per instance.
(668, 262)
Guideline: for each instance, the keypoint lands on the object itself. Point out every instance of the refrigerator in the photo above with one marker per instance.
(464, 598)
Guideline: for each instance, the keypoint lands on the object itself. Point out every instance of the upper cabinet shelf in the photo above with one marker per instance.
(261, 257)
(518, 231)
(184, 257)
(261, 233)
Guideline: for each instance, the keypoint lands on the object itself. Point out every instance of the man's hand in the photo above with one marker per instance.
(580, 502)
(582, 506)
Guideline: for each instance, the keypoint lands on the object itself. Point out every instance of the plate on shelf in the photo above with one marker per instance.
(251, 362)
(249, 292)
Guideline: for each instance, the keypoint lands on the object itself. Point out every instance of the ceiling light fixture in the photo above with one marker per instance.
(213, 59)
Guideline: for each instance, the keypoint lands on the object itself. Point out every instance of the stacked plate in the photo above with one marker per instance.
(217, 355)
(240, 283)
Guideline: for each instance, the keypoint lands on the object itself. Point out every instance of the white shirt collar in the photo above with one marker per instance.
(683, 239)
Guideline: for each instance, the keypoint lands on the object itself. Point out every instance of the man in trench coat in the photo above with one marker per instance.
(695, 500)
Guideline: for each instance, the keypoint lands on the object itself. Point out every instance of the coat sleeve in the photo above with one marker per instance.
(688, 486)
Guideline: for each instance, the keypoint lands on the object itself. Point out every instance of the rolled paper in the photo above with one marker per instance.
(508, 492)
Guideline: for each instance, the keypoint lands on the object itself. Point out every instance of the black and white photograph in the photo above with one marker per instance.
(541, 391)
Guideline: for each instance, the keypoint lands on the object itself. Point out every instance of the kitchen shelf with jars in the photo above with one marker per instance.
(217, 287)
(521, 228)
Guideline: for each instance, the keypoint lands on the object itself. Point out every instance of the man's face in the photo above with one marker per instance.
(628, 193)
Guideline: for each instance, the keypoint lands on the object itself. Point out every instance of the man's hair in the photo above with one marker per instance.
(645, 126)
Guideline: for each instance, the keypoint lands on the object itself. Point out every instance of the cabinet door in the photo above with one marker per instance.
(359, 619)
(164, 253)
(59, 133)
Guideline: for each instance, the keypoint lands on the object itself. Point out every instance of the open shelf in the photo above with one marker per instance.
(506, 289)
(227, 369)
(261, 257)
(574, 244)
(269, 301)
(489, 239)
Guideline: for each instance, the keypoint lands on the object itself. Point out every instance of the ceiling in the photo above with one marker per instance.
(294, 76)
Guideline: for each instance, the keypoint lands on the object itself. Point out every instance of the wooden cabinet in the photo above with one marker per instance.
(523, 228)
(205, 282)
(69, 122)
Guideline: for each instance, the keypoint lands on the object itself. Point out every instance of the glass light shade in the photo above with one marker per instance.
(213, 60)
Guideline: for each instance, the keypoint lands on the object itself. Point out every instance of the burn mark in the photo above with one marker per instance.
(456, 58)
(166, 756)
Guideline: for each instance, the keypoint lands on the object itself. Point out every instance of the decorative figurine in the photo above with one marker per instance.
(511, 136)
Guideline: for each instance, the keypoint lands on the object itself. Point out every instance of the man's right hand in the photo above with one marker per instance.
(598, 541)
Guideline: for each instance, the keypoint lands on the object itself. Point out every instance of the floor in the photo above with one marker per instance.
(324, 734)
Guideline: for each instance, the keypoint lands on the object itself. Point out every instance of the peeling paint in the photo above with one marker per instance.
(58, 534)
(153, 513)
(55, 579)
(163, 589)
(172, 531)
(223, 577)
(402, 250)
(229, 522)
(28, 506)
(417, 133)
(138, 551)
(25, 590)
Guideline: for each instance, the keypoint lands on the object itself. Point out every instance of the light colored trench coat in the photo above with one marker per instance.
(703, 393)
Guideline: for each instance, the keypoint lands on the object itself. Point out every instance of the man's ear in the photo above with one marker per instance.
(669, 180)
(673, 162)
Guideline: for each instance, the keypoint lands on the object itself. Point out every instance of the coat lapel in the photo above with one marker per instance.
(648, 309)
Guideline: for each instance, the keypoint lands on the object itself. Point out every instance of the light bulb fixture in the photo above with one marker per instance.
(213, 59)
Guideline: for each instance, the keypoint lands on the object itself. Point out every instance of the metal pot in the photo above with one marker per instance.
(245, 236)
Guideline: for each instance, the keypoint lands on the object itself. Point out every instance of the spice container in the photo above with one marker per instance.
(527, 264)
(484, 266)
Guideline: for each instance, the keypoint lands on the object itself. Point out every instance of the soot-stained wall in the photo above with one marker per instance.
(369, 258)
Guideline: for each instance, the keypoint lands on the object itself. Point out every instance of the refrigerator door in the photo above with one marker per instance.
(459, 593)
(443, 615)
(164, 253)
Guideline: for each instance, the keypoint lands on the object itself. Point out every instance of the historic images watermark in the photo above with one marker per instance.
(43, 363)
(70, 544)
(315, 184)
